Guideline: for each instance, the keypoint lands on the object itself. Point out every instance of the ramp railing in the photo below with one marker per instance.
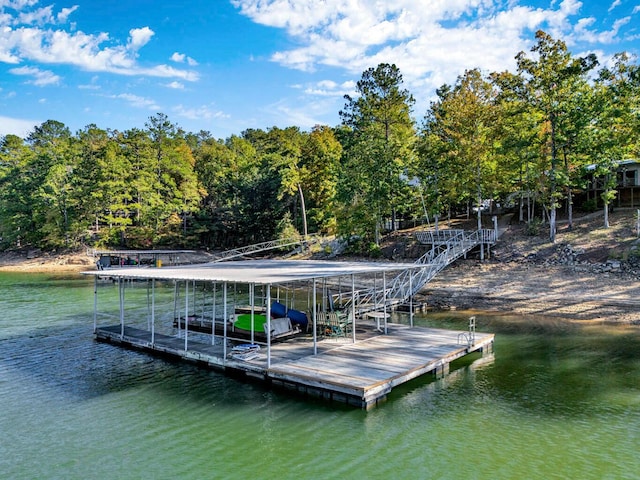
(445, 249)
(263, 247)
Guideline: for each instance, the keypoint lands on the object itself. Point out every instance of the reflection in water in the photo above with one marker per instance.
(555, 400)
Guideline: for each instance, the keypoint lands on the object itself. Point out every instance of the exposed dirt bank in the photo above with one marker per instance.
(36, 261)
(556, 291)
(590, 274)
(39, 262)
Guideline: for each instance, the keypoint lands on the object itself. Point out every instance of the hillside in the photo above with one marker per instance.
(590, 274)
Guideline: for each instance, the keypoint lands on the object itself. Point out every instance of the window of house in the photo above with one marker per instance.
(627, 178)
(631, 177)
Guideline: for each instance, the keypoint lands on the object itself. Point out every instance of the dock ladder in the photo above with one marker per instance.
(469, 337)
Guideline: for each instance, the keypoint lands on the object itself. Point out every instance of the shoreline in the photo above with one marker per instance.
(45, 264)
(562, 292)
(507, 288)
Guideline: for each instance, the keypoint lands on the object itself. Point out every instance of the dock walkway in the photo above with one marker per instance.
(359, 374)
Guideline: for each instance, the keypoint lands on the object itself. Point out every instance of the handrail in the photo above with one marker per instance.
(437, 236)
(262, 247)
(410, 281)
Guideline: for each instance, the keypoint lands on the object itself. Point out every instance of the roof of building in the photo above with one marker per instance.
(621, 163)
(255, 271)
(97, 253)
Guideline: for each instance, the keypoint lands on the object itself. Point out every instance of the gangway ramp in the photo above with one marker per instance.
(264, 247)
(446, 247)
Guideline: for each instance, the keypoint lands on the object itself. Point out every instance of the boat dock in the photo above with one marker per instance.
(354, 354)
(360, 374)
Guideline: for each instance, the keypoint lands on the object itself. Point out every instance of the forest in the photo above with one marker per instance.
(521, 138)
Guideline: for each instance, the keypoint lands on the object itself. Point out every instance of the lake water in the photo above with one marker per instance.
(554, 402)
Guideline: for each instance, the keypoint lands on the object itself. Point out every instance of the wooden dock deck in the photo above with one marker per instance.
(360, 374)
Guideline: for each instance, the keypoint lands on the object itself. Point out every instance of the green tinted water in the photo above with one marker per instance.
(554, 402)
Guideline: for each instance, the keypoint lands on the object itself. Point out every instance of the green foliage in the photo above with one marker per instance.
(286, 231)
(374, 250)
(534, 227)
(526, 134)
(379, 138)
(554, 85)
(589, 206)
(458, 143)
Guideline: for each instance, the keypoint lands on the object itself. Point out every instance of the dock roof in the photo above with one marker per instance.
(97, 253)
(255, 271)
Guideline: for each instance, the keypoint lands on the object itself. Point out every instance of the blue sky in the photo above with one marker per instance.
(228, 65)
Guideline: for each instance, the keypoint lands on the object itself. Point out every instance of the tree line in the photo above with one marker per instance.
(523, 137)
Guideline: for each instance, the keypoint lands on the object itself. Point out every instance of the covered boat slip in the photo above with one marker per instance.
(125, 258)
(355, 355)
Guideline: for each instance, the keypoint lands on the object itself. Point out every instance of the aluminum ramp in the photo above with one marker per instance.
(446, 247)
(264, 247)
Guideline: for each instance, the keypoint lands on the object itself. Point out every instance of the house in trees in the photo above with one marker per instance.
(627, 185)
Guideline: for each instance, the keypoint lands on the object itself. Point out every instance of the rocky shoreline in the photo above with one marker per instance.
(604, 293)
(593, 279)
(591, 275)
(574, 293)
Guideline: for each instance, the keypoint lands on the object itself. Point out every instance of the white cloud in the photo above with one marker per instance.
(604, 37)
(18, 4)
(181, 58)
(64, 13)
(17, 126)
(204, 112)
(304, 114)
(89, 86)
(163, 71)
(139, 37)
(329, 88)
(37, 39)
(430, 45)
(616, 3)
(178, 57)
(41, 78)
(137, 101)
(175, 85)
(40, 16)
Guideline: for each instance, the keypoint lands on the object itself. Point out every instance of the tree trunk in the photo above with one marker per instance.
(569, 193)
(552, 224)
(570, 208)
(554, 166)
(480, 228)
(304, 211)
(393, 219)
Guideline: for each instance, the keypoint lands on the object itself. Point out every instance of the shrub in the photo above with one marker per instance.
(374, 250)
(533, 227)
(589, 206)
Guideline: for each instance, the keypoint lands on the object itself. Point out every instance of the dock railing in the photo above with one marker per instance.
(410, 281)
(263, 247)
(430, 237)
